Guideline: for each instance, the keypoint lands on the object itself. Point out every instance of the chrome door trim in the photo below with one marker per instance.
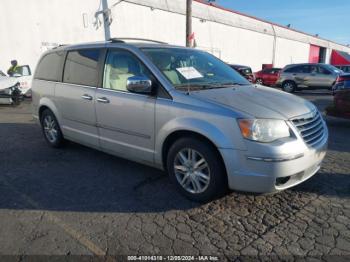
(69, 84)
(126, 92)
(123, 131)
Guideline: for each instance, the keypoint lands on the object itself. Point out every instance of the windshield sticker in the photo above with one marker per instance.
(189, 72)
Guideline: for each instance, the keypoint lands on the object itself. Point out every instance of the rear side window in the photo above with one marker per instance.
(324, 71)
(299, 69)
(293, 69)
(81, 67)
(50, 67)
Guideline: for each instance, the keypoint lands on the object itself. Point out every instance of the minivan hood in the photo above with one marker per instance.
(258, 101)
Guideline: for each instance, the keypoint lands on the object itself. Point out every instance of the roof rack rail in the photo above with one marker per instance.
(122, 40)
(58, 46)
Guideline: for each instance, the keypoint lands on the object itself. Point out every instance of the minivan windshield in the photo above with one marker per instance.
(195, 69)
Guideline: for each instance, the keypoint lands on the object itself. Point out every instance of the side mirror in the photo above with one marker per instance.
(16, 75)
(139, 84)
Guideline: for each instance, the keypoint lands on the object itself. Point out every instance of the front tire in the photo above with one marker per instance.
(196, 169)
(51, 129)
(289, 86)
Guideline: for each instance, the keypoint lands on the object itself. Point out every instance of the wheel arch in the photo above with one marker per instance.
(176, 135)
(48, 104)
(193, 127)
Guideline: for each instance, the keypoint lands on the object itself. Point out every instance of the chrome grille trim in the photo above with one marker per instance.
(312, 132)
(310, 128)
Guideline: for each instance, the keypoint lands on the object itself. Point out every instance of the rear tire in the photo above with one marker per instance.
(259, 81)
(289, 86)
(51, 129)
(196, 169)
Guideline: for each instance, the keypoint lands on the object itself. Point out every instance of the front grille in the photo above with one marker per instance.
(310, 128)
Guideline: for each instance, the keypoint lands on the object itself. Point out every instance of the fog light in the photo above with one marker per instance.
(282, 180)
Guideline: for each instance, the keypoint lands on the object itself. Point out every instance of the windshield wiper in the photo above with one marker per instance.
(225, 84)
(207, 86)
(194, 86)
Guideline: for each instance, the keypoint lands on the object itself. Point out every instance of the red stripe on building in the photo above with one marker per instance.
(338, 58)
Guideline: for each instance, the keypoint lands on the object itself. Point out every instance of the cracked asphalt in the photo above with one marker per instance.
(78, 201)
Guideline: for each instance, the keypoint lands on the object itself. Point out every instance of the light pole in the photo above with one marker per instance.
(188, 22)
(106, 22)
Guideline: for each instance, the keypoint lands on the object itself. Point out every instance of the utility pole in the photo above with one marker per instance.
(106, 22)
(188, 22)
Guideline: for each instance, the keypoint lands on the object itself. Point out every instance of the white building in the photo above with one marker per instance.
(28, 28)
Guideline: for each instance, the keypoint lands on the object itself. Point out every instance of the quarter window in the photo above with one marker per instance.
(81, 67)
(120, 65)
(293, 69)
(50, 67)
(303, 69)
(324, 71)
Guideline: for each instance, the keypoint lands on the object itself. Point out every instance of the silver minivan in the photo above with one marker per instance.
(181, 110)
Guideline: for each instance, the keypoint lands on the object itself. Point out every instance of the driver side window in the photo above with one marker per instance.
(324, 71)
(119, 66)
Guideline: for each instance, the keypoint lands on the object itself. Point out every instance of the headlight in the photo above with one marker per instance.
(263, 130)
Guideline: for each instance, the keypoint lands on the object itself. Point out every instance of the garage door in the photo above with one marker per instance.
(314, 56)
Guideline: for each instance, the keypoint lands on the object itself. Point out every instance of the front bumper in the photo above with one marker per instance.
(273, 173)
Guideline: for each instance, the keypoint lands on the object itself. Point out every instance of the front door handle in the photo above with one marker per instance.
(103, 100)
(86, 97)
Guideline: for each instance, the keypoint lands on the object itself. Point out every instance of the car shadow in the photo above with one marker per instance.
(77, 178)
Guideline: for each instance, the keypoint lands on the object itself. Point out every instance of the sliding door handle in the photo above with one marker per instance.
(86, 97)
(103, 100)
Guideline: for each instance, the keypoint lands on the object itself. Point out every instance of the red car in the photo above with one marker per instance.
(267, 76)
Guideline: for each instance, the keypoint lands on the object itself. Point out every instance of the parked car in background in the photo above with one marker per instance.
(181, 110)
(10, 93)
(245, 71)
(342, 102)
(23, 77)
(342, 82)
(267, 76)
(307, 76)
(344, 68)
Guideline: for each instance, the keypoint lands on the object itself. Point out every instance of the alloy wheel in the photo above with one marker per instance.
(192, 171)
(50, 128)
(288, 87)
